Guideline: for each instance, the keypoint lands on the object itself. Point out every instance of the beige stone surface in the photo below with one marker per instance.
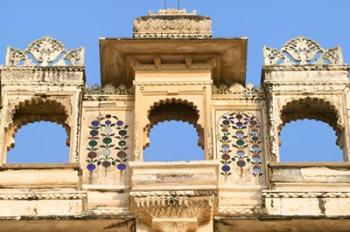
(173, 73)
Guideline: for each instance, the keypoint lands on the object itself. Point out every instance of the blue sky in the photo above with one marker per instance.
(265, 22)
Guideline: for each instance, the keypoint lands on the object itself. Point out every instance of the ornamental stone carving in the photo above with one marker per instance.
(109, 90)
(172, 70)
(45, 52)
(159, 209)
(302, 51)
(173, 24)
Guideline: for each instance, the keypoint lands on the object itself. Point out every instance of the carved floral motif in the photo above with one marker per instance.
(45, 52)
(302, 51)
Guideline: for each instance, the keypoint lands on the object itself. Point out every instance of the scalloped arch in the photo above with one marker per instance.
(312, 108)
(21, 115)
(174, 109)
(31, 103)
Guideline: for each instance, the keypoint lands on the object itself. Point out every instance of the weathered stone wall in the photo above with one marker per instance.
(239, 186)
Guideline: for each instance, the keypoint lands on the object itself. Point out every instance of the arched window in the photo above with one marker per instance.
(35, 120)
(173, 141)
(40, 142)
(309, 131)
(309, 141)
(173, 132)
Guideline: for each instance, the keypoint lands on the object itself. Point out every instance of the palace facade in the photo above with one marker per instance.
(173, 69)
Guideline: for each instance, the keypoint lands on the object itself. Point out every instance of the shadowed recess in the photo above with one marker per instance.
(301, 142)
(173, 141)
(40, 142)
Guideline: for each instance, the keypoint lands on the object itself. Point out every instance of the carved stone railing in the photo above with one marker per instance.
(303, 51)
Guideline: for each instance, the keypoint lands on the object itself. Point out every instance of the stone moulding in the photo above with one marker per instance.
(109, 90)
(45, 52)
(274, 194)
(303, 51)
(25, 75)
(43, 196)
(236, 89)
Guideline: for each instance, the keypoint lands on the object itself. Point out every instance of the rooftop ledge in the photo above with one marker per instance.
(119, 56)
(174, 164)
(310, 164)
(40, 166)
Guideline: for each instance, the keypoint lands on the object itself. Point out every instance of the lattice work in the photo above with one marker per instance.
(302, 51)
(107, 146)
(45, 52)
(239, 143)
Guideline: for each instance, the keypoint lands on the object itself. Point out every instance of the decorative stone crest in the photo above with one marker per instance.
(45, 52)
(302, 51)
(174, 24)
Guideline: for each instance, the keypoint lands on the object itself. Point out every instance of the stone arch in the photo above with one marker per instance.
(35, 110)
(168, 109)
(311, 108)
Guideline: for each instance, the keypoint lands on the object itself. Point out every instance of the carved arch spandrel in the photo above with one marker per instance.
(62, 105)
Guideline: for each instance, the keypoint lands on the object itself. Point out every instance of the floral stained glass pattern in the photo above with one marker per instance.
(239, 143)
(107, 146)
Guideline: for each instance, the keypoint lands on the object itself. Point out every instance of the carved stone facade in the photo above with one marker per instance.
(173, 70)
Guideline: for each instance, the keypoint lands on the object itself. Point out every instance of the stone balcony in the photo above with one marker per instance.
(174, 196)
(308, 189)
(41, 190)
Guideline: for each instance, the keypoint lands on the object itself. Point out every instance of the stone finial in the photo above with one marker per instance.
(302, 51)
(45, 52)
(172, 24)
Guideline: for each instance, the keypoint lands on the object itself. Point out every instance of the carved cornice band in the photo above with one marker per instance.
(267, 194)
(43, 196)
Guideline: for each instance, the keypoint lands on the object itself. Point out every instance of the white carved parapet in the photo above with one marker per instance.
(45, 52)
(44, 60)
(302, 51)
